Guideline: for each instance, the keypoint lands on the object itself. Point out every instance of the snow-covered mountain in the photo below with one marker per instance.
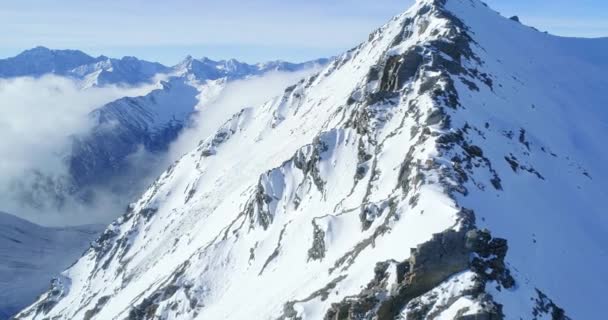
(126, 125)
(41, 60)
(101, 71)
(148, 124)
(77, 64)
(451, 167)
(129, 130)
(31, 255)
(207, 69)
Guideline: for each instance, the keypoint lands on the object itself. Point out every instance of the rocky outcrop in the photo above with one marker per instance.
(545, 308)
(317, 251)
(429, 265)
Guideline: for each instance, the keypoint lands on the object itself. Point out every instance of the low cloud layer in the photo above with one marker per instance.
(235, 96)
(37, 117)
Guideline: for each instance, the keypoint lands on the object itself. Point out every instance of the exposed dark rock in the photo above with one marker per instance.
(407, 167)
(349, 257)
(496, 182)
(429, 265)
(374, 74)
(189, 195)
(435, 117)
(515, 166)
(308, 165)
(401, 69)
(146, 309)
(513, 162)
(363, 157)
(276, 251)
(289, 312)
(89, 314)
(148, 213)
(454, 137)
(317, 251)
(429, 83)
(489, 257)
(473, 151)
(368, 214)
(522, 139)
(104, 243)
(470, 84)
(546, 307)
(52, 297)
(359, 120)
(290, 89)
(256, 208)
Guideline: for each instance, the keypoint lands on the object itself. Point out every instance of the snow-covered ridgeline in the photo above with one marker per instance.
(309, 206)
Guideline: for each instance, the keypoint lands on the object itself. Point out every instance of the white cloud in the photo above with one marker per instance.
(235, 96)
(37, 117)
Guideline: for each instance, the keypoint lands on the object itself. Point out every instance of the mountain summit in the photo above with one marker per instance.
(451, 167)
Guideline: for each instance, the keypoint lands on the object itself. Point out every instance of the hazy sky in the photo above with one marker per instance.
(252, 30)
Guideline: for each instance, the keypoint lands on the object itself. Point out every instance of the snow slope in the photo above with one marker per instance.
(451, 167)
(130, 136)
(30, 255)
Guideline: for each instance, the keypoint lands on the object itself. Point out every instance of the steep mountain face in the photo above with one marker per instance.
(122, 127)
(30, 255)
(447, 168)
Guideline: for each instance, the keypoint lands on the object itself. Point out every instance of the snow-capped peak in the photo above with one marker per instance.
(208, 69)
(432, 172)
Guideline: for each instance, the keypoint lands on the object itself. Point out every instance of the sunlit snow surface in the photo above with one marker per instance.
(230, 225)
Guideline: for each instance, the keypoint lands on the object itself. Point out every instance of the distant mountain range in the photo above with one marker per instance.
(74, 63)
(147, 124)
(100, 71)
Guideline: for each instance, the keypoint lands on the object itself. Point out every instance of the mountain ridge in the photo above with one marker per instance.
(128, 70)
(415, 177)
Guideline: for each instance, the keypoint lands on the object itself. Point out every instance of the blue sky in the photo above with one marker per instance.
(252, 30)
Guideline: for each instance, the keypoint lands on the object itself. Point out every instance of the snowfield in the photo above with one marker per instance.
(452, 166)
(31, 255)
